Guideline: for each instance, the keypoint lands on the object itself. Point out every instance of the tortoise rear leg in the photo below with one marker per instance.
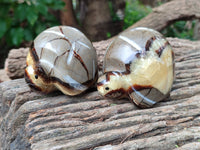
(146, 98)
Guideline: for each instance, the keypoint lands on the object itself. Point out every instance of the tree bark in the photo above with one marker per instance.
(118, 8)
(16, 63)
(67, 16)
(197, 30)
(3, 76)
(153, 3)
(36, 121)
(98, 22)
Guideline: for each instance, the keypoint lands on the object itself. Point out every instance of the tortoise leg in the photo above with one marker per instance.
(147, 97)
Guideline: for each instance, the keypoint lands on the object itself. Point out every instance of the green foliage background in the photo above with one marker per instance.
(22, 20)
(135, 11)
(179, 29)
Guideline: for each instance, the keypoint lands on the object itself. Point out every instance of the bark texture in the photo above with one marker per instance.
(31, 120)
(97, 21)
(3, 76)
(16, 62)
(153, 3)
(67, 16)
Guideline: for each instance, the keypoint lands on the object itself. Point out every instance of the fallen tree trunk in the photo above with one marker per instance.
(36, 121)
(3, 76)
(16, 63)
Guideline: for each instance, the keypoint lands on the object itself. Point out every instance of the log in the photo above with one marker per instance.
(3, 76)
(36, 121)
(16, 62)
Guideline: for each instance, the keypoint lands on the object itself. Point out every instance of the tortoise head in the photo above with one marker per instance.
(109, 85)
(35, 78)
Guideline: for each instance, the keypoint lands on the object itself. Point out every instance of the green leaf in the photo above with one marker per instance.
(20, 12)
(4, 9)
(113, 105)
(58, 5)
(108, 34)
(16, 36)
(3, 28)
(28, 35)
(48, 1)
(39, 28)
(43, 9)
(32, 15)
(176, 146)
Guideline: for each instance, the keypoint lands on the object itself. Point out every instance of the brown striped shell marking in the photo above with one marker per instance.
(61, 58)
(138, 64)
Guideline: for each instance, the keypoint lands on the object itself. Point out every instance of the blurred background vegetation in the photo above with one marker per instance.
(22, 20)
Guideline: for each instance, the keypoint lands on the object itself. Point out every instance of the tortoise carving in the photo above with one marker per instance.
(138, 64)
(61, 58)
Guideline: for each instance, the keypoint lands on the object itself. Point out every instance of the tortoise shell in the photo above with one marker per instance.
(61, 58)
(138, 64)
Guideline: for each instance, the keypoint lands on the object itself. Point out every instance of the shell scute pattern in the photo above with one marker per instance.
(140, 64)
(66, 58)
